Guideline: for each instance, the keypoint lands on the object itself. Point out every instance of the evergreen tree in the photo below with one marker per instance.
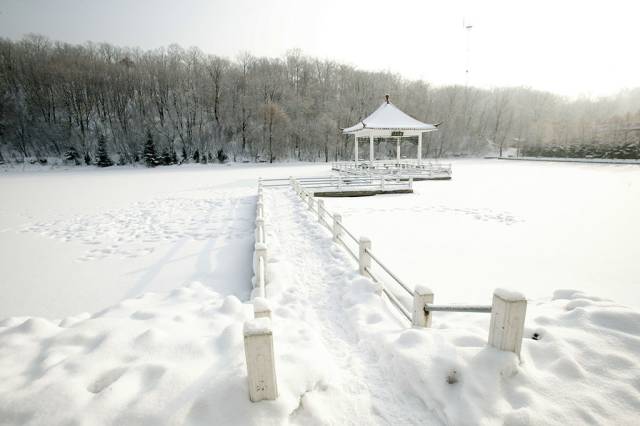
(150, 157)
(165, 159)
(184, 154)
(87, 159)
(222, 157)
(72, 154)
(102, 155)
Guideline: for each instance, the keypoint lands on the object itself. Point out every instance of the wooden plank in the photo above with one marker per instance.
(361, 192)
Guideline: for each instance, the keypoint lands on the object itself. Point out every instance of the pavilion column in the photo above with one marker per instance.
(398, 151)
(419, 148)
(371, 157)
(355, 148)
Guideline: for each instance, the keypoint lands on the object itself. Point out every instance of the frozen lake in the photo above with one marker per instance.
(531, 226)
(82, 240)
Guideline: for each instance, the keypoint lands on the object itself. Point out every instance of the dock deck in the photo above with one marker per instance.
(403, 169)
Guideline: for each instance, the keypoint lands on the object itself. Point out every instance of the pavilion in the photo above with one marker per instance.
(385, 122)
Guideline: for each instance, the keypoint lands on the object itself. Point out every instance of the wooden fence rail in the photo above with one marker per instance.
(507, 311)
(336, 184)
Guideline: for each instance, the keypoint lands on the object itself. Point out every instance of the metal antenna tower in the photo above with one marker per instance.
(467, 28)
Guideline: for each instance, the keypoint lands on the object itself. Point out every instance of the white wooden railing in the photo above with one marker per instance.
(341, 183)
(507, 311)
(260, 248)
(258, 334)
(405, 166)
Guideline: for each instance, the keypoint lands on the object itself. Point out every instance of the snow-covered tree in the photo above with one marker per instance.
(290, 107)
(150, 156)
(71, 155)
(103, 159)
(168, 157)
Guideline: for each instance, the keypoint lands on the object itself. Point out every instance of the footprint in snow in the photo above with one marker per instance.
(106, 379)
(142, 315)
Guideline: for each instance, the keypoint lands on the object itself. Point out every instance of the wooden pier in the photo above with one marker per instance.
(349, 186)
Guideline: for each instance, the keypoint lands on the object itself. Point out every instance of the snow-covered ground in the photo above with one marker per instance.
(85, 239)
(160, 262)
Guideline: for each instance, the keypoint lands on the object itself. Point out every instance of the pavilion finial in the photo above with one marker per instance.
(386, 97)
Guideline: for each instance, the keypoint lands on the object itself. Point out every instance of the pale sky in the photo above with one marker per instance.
(569, 47)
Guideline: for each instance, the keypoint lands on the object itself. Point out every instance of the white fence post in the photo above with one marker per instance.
(260, 208)
(411, 182)
(508, 311)
(261, 368)
(260, 234)
(320, 209)
(421, 296)
(261, 308)
(310, 202)
(261, 252)
(364, 258)
(337, 229)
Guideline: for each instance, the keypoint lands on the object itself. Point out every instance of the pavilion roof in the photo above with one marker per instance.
(389, 117)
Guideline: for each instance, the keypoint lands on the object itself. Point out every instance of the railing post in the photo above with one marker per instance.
(261, 308)
(320, 209)
(260, 208)
(364, 258)
(508, 311)
(337, 229)
(260, 251)
(260, 234)
(411, 182)
(421, 297)
(261, 368)
(310, 202)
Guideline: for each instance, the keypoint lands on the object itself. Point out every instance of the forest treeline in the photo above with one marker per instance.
(95, 101)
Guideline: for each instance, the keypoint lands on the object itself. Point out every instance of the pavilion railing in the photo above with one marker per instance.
(407, 166)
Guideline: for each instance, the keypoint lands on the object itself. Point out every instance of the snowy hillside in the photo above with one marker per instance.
(126, 292)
